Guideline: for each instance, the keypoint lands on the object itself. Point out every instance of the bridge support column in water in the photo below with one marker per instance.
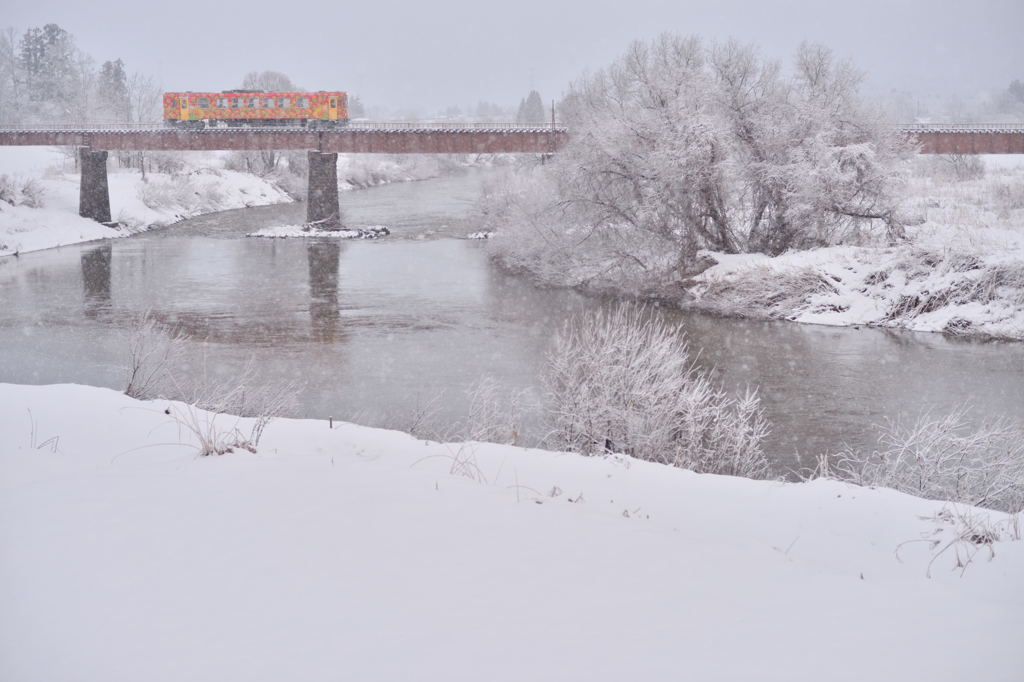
(322, 209)
(94, 192)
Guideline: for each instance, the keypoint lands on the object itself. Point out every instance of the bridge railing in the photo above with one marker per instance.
(454, 126)
(353, 125)
(81, 126)
(451, 125)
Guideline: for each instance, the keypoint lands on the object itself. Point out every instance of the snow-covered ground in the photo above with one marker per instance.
(135, 203)
(356, 553)
(962, 270)
(305, 232)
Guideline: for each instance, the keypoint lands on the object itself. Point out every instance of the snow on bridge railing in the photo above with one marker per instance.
(962, 127)
(452, 126)
(355, 126)
(79, 126)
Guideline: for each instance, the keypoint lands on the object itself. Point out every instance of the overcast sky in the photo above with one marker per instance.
(428, 54)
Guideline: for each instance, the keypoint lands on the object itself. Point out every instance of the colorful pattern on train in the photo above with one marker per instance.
(240, 107)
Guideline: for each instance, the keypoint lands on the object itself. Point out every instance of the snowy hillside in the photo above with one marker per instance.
(355, 553)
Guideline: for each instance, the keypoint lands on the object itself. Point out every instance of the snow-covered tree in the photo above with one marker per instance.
(680, 146)
(266, 160)
(271, 81)
(113, 101)
(531, 110)
(47, 59)
(356, 108)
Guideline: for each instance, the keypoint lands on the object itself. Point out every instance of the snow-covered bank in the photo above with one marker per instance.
(958, 269)
(204, 183)
(972, 292)
(366, 554)
(136, 204)
(960, 272)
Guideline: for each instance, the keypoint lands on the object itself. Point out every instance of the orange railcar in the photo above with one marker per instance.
(237, 108)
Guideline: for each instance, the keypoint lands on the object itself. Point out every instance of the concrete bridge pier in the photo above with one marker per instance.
(322, 209)
(94, 192)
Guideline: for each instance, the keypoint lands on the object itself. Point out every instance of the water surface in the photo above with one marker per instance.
(375, 330)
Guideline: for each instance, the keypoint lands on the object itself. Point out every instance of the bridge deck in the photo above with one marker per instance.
(410, 138)
(968, 138)
(433, 138)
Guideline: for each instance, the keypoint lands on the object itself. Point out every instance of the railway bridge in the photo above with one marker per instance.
(323, 146)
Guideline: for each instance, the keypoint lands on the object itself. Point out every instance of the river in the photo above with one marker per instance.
(376, 331)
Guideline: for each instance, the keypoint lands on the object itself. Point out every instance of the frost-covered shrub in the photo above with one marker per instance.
(21, 192)
(956, 167)
(151, 349)
(8, 191)
(1007, 196)
(166, 162)
(159, 193)
(623, 381)
(944, 458)
(209, 197)
(494, 415)
(182, 194)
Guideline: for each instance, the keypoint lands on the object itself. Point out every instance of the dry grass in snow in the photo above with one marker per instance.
(961, 272)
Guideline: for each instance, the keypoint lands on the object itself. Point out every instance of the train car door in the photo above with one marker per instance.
(332, 109)
(184, 108)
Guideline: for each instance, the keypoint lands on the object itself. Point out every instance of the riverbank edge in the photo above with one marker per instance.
(809, 290)
(966, 293)
(49, 226)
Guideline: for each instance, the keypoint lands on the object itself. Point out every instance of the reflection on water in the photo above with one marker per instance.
(96, 278)
(376, 329)
(323, 256)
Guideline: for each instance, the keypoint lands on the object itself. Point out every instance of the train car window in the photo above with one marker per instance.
(284, 102)
(268, 102)
(334, 103)
(234, 102)
(254, 102)
(222, 102)
(303, 103)
(204, 102)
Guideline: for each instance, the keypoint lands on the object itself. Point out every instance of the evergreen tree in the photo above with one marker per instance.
(112, 89)
(531, 110)
(1016, 91)
(47, 61)
(356, 108)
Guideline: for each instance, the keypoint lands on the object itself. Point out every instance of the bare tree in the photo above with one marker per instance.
(144, 97)
(271, 81)
(266, 160)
